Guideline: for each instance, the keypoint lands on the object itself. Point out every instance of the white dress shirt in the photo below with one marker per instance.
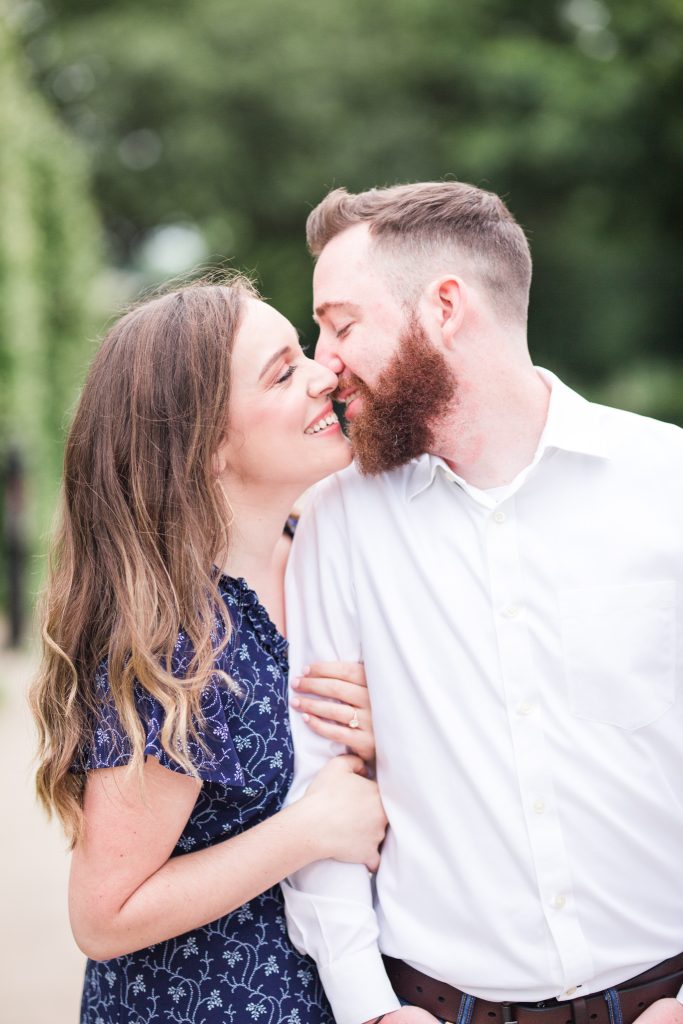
(523, 651)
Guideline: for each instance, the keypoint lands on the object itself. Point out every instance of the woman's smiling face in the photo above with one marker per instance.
(281, 425)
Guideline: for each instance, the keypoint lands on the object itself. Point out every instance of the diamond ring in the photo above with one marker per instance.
(354, 723)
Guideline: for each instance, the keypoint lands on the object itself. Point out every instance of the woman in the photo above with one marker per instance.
(161, 701)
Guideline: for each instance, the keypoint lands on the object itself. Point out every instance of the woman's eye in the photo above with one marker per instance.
(286, 374)
(343, 331)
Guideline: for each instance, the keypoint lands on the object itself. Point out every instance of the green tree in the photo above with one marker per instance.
(49, 249)
(237, 117)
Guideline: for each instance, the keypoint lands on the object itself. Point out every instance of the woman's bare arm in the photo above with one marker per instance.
(126, 892)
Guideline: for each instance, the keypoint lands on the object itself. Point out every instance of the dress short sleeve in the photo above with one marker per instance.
(214, 758)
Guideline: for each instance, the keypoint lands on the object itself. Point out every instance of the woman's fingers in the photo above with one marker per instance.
(333, 688)
(343, 714)
(351, 671)
(357, 740)
(338, 707)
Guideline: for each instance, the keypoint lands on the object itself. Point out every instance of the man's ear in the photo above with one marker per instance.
(446, 298)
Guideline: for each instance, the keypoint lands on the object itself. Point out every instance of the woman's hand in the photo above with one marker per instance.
(339, 709)
(347, 815)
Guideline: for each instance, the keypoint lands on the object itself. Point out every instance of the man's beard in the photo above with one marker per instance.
(398, 415)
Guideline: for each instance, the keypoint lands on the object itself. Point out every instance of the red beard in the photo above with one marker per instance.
(396, 421)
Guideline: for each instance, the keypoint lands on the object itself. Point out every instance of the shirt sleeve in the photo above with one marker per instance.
(329, 904)
(211, 751)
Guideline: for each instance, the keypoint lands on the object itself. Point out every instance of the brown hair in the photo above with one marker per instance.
(418, 226)
(142, 521)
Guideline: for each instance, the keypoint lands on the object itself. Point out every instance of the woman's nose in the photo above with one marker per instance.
(322, 381)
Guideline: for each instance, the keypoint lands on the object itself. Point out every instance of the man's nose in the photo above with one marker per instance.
(327, 355)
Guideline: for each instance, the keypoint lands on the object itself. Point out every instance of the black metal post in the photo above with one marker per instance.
(15, 547)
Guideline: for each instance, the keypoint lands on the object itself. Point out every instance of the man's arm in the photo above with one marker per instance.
(329, 904)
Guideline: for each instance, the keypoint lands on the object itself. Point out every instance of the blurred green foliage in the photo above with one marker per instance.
(236, 117)
(210, 130)
(48, 253)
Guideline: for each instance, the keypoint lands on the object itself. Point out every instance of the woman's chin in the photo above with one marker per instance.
(332, 463)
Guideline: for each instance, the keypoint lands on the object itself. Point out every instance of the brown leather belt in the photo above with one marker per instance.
(444, 1001)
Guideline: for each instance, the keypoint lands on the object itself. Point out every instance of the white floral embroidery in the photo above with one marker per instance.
(214, 999)
(271, 966)
(176, 992)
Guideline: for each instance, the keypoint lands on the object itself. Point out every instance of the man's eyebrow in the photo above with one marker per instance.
(325, 307)
(286, 350)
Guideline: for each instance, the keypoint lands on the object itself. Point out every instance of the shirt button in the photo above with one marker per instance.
(527, 708)
(558, 901)
(571, 990)
(511, 612)
(499, 517)
(539, 806)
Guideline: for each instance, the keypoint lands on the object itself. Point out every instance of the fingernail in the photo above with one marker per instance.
(306, 669)
(306, 718)
(295, 702)
(296, 683)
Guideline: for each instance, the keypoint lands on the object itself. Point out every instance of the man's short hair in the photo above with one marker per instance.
(432, 227)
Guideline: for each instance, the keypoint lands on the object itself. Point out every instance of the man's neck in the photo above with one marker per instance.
(495, 430)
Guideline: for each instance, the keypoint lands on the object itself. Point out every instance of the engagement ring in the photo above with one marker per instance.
(354, 723)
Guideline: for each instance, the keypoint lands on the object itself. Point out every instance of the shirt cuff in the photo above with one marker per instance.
(358, 988)
(679, 997)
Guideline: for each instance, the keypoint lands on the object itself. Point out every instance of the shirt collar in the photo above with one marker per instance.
(572, 425)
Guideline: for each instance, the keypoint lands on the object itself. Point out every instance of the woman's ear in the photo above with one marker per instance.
(447, 301)
(219, 459)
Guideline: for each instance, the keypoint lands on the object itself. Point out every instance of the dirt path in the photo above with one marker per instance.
(41, 969)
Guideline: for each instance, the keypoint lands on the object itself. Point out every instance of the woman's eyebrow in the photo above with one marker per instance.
(287, 349)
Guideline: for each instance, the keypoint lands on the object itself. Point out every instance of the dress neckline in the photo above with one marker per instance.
(270, 636)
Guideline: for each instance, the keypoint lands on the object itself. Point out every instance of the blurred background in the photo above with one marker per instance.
(138, 141)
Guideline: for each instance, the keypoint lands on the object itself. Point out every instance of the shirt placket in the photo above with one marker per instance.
(524, 705)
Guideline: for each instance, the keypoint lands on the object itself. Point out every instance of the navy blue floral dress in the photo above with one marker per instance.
(242, 967)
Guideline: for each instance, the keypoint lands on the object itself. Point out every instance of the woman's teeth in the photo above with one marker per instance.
(326, 421)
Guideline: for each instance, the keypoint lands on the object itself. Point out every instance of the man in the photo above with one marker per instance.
(507, 560)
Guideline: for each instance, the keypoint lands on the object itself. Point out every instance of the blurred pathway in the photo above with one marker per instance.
(41, 968)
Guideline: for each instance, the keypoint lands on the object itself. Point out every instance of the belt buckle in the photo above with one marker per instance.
(508, 1013)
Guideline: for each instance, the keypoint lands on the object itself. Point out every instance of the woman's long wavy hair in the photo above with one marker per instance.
(143, 519)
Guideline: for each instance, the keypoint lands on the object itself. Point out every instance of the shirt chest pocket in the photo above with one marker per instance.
(620, 651)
